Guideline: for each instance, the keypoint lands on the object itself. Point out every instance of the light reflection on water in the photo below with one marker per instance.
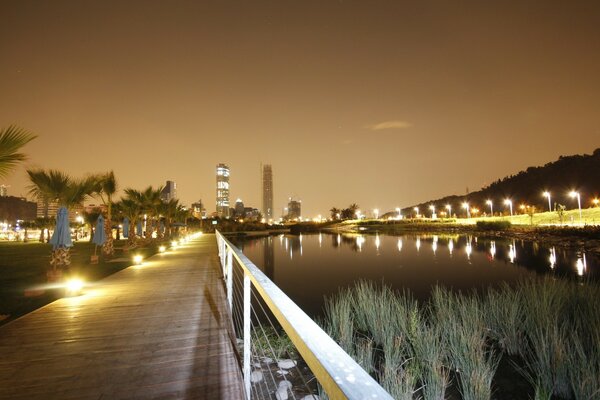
(310, 266)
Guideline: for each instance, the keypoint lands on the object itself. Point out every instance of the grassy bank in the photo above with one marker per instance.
(544, 334)
(23, 268)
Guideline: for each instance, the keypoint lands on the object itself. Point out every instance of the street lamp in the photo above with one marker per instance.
(466, 207)
(432, 208)
(595, 202)
(576, 194)
(398, 211)
(489, 203)
(547, 194)
(417, 211)
(376, 211)
(508, 202)
(449, 208)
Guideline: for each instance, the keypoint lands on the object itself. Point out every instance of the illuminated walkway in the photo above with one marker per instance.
(155, 331)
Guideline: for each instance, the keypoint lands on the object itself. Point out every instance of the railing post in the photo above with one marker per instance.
(230, 278)
(247, 342)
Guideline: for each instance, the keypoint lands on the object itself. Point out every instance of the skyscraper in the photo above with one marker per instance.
(222, 190)
(169, 192)
(294, 209)
(267, 190)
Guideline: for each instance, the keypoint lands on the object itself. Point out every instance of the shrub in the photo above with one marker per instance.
(493, 225)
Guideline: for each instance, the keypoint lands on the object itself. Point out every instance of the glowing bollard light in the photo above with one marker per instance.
(73, 287)
(162, 249)
(174, 244)
(137, 259)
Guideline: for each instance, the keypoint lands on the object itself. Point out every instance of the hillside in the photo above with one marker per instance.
(577, 172)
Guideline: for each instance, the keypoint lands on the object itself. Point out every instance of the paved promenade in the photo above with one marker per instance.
(160, 330)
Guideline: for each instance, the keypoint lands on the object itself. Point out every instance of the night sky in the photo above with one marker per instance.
(380, 103)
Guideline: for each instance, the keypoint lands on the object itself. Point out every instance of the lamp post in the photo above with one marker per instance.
(576, 194)
(547, 194)
(376, 212)
(508, 202)
(466, 207)
(449, 208)
(595, 202)
(417, 211)
(489, 203)
(398, 211)
(432, 208)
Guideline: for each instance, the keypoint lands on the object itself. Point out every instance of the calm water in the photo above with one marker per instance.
(309, 267)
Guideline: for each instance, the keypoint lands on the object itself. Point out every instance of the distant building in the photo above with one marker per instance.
(16, 208)
(198, 210)
(252, 214)
(49, 209)
(267, 191)
(239, 209)
(223, 191)
(169, 192)
(294, 209)
(3, 190)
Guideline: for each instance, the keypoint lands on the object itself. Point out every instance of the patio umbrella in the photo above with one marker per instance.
(139, 228)
(126, 227)
(62, 233)
(99, 234)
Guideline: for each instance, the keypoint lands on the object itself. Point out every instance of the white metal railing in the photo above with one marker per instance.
(339, 375)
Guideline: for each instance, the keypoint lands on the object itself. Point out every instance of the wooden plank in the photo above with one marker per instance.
(161, 330)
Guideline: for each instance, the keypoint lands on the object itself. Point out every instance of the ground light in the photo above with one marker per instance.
(137, 259)
(162, 249)
(73, 287)
(174, 244)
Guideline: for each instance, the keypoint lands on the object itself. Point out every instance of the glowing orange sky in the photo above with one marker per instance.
(382, 103)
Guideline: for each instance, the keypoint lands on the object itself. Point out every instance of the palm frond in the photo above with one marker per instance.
(11, 141)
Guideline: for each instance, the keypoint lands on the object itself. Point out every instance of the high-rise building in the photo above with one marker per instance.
(267, 191)
(239, 209)
(294, 209)
(223, 191)
(198, 210)
(169, 192)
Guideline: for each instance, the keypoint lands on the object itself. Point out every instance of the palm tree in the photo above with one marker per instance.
(53, 186)
(129, 207)
(11, 141)
(105, 188)
(151, 204)
(335, 213)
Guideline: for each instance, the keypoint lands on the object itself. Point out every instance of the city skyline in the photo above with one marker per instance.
(383, 104)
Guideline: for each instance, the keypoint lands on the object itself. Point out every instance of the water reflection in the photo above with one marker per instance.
(310, 267)
(552, 258)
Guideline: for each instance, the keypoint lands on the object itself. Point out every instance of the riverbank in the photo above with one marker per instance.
(586, 238)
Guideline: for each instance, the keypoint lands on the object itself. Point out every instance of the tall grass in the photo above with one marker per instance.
(551, 326)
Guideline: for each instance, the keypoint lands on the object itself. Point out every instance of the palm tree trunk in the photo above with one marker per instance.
(60, 258)
(108, 248)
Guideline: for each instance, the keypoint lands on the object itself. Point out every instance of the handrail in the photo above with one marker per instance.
(339, 375)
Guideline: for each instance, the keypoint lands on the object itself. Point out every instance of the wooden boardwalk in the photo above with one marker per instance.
(161, 330)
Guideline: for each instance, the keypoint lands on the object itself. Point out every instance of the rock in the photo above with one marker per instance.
(267, 360)
(281, 394)
(282, 372)
(285, 384)
(256, 376)
(286, 364)
(310, 397)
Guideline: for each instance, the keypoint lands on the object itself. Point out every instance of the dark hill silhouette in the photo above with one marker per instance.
(577, 172)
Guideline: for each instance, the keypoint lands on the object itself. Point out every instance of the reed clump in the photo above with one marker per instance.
(550, 327)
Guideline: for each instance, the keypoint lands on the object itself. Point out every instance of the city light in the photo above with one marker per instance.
(547, 194)
(595, 202)
(489, 203)
(465, 205)
(576, 194)
(398, 211)
(376, 212)
(137, 259)
(432, 208)
(508, 202)
(417, 211)
(449, 208)
(162, 249)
